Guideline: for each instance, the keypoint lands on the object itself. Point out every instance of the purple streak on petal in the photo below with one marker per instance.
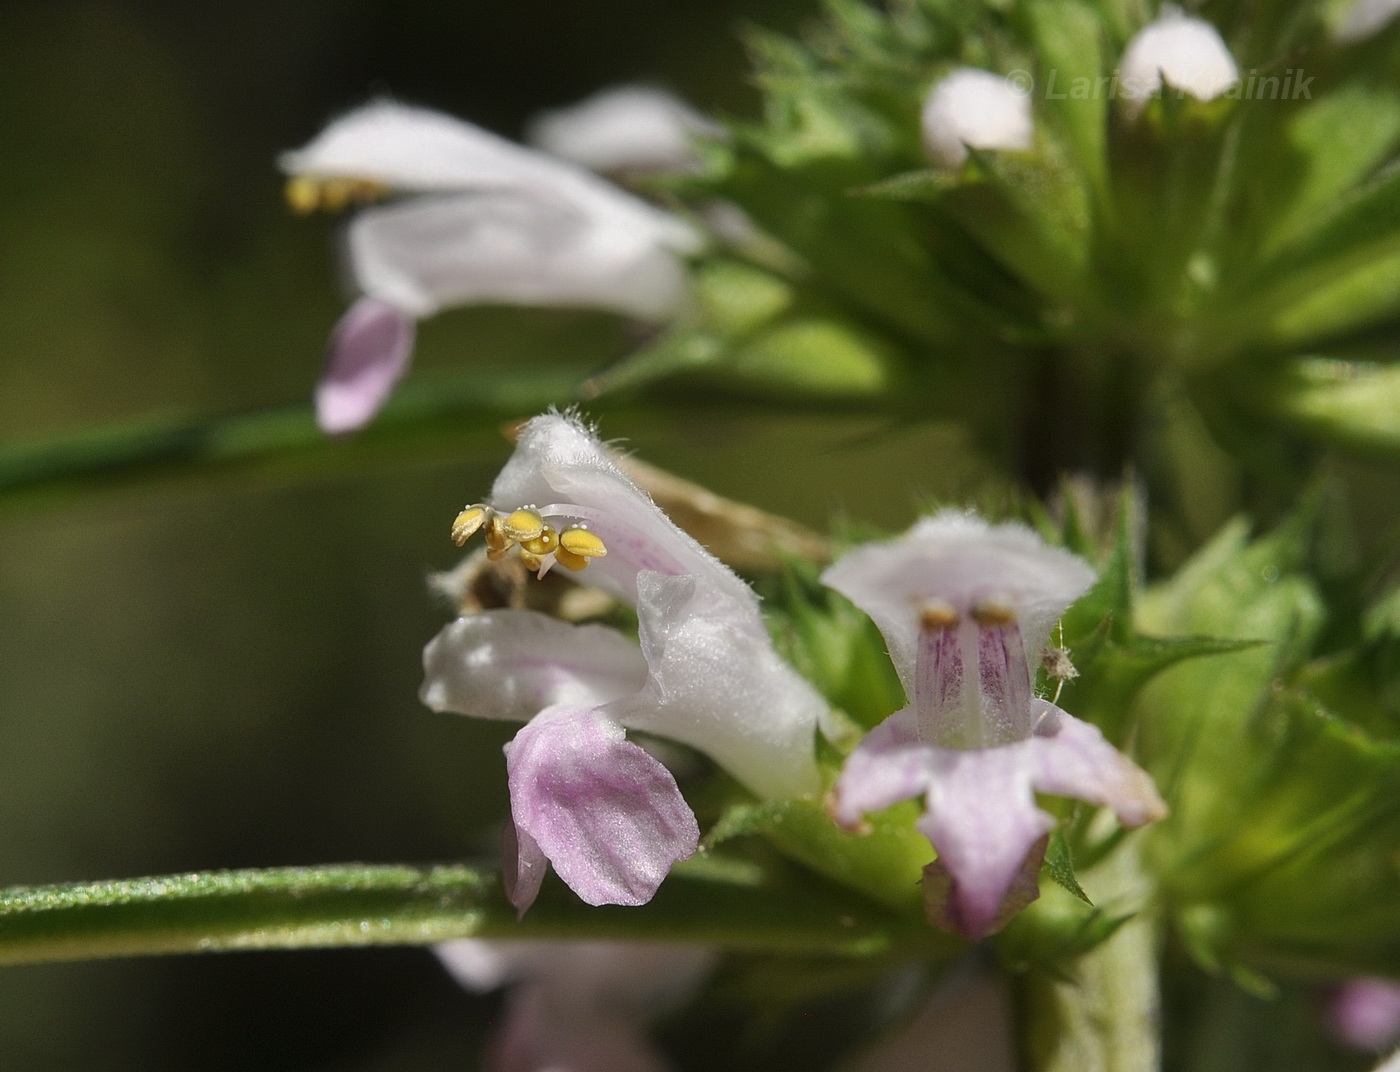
(1006, 685)
(1365, 1013)
(889, 765)
(368, 353)
(983, 820)
(938, 686)
(1073, 759)
(522, 867)
(607, 815)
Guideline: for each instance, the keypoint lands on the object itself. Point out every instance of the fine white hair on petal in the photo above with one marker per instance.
(976, 108)
(559, 461)
(1366, 17)
(629, 128)
(1185, 53)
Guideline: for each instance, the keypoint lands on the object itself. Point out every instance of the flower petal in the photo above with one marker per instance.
(536, 1038)
(511, 664)
(517, 245)
(959, 559)
(1073, 759)
(558, 461)
(417, 149)
(523, 864)
(889, 765)
(607, 815)
(983, 820)
(716, 684)
(975, 108)
(624, 128)
(1181, 51)
(368, 354)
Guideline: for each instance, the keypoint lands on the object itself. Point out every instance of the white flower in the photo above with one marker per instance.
(978, 109)
(966, 609)
(627, 129)
(606, 814)
(1182, 52)
(490, 221)
(578, 1006)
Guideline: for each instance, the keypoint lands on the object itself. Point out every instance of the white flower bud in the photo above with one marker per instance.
(1185, 53)
(977, 109)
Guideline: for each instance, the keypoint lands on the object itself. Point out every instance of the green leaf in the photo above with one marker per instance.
(1059, 865)
(1353, 404)
(923, 185)
(1069, 40)
(706, 901)
(885, 863)
(428, 418)
(1360, 228)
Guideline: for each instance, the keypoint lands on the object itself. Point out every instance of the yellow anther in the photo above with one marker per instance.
(531, 561)
(545, 543)
(567, 558)
(993, 612)
(303, 194)
(937, 615)
(497, 542)
(583, 544)
(468, 521)
(523, 525)
(306, 194)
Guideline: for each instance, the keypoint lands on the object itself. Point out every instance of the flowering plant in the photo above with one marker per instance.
(1098, 745)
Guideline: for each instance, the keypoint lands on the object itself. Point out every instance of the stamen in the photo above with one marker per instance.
(497, 542)
(523, 524)
(583, 543)
(937, 614)
(526, 528)
(993, 612)
(306, 193)
(468, 521)
(545, 543)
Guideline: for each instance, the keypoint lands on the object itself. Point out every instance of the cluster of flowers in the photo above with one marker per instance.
(966, 609)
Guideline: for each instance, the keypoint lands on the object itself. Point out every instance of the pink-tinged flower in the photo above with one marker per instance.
(1180, 51)
(626, 130)
(966, 609)
(1365, 1014)
(488, 221)
(604, 812)
(578, 1006)
(977, 109)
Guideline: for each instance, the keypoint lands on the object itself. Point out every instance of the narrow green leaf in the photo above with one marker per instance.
(1353, 404)
(1059, 865)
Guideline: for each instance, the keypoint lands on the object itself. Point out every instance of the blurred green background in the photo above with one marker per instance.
(225, 676)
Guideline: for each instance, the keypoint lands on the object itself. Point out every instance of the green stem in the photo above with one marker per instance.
(359, 904)
(428, 419)
(1105, 1015)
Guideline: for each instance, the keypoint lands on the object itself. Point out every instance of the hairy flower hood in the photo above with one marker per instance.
(706, 674)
